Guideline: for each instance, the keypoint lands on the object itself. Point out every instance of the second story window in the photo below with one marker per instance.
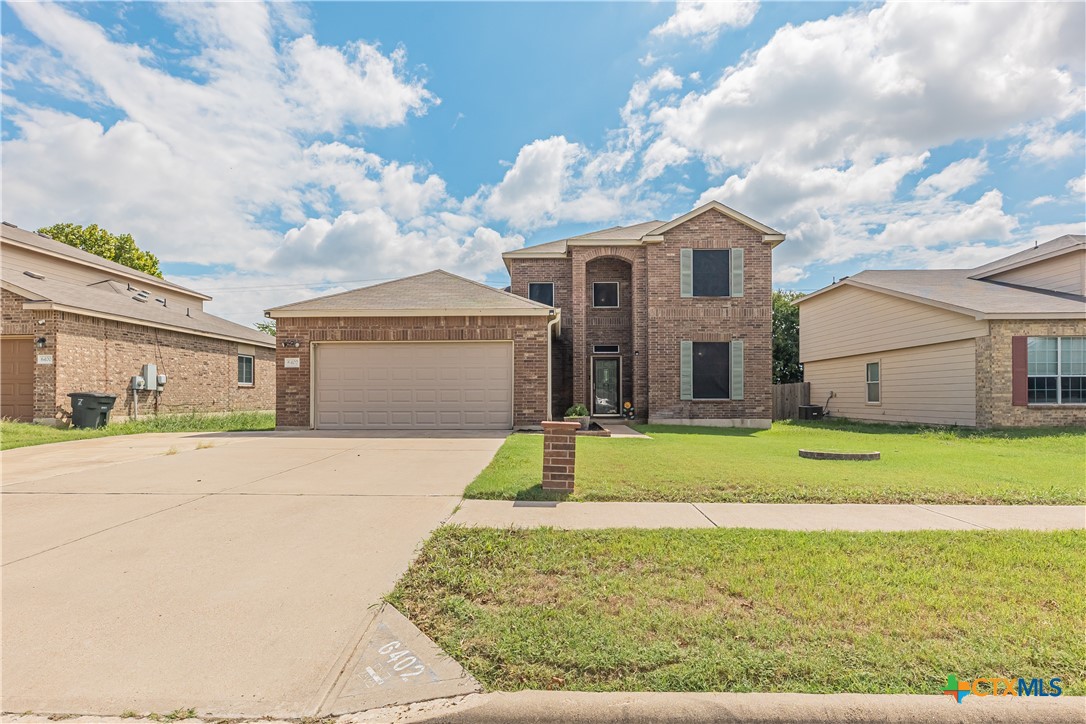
(542, 292)
(711, 272)
(605, 294)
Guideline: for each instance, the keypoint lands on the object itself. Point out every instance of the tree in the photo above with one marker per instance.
(267, 327)
(120, 248)
(786, 366)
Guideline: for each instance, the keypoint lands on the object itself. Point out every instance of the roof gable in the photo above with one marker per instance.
(1042, 252)
(770, 235)
(434, 293)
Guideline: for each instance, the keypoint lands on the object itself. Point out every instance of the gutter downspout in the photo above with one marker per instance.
(550, 361)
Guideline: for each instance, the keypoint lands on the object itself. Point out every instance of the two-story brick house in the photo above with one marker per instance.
(673, 318)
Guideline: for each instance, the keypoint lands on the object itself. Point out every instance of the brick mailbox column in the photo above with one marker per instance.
(559, 455)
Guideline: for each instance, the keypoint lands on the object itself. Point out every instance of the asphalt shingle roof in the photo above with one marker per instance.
(52, 246)
(114, 295)
(437, 290)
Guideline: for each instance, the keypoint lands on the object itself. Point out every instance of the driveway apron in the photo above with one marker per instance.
(231, 573)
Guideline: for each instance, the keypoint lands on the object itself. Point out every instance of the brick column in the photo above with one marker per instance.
(559, 455)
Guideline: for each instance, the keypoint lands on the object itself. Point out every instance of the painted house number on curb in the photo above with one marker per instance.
(401, 660)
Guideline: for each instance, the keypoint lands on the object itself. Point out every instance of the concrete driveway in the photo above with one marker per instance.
(233, 573)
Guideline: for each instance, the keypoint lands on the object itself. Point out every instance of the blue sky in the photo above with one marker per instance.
(268, 153)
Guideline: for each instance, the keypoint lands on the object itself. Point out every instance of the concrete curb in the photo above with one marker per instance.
(544, 707)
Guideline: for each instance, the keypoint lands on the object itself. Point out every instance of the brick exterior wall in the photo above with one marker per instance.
(610, 326)
(559, 273)
(994, 408)
(673, 318)
(99, 355)
(529, 336)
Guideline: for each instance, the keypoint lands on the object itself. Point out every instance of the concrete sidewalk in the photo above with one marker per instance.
(854, 517)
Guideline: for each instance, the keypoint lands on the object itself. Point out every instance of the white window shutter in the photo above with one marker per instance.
(686, 370)
(686, 272)
(737, 369)
(736, 263)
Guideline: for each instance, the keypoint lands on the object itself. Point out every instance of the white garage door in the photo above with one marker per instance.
(425, 385)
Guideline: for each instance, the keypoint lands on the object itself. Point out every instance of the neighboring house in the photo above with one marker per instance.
(1003, 344)
(673, 317)
(75, 322)
(430, 351)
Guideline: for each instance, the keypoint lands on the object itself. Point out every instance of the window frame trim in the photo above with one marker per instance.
(1059, 372)
(252, 370)
(868, 383)
(529, 297)
(618, 295)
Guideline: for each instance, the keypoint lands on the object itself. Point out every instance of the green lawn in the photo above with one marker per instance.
(751, 610)
(21, 434)
(763, 466)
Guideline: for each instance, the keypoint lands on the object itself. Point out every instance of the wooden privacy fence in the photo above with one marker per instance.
(787, 399)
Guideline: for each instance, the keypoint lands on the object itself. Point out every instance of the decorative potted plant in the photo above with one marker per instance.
(577, 413)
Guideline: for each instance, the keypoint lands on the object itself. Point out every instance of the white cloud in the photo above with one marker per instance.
(1041, 201)
(1078, 185)
(705, 19)
(530, 194)
(1047, 232)
(208, 169)
(816, 131)
(1045, 144)
(953, 178)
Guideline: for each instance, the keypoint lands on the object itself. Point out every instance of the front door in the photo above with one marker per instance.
(606, 390)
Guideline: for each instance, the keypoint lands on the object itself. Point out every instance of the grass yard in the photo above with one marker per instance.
(21, 434)
(763, 466)
(751, 610)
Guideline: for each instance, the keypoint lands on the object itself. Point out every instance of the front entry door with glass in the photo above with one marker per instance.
(606, 389)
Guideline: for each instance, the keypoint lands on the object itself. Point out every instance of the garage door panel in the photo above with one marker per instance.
(414, 385)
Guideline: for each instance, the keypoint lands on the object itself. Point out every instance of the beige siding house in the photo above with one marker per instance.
(1000, 345)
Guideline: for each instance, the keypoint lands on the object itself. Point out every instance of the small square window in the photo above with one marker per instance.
(874, 394)
(542, 292)
(605, 294)
(245, 369)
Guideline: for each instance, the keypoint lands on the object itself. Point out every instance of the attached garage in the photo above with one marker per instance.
(413, 385)
(430, 352)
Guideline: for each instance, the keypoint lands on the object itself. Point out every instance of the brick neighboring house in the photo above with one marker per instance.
(1001, 345)
(71, 321)
(673, 317)
(432, 351)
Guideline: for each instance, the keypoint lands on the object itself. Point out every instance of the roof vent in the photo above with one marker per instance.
(8, 223)
(161, 300)
(44, 236)
(34, 275)
(138, 298)
(143, 295)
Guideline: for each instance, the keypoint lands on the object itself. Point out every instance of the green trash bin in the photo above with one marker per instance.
(91, 409)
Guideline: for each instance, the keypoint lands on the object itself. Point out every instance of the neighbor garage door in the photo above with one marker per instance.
(425, 385)
(17, 379)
